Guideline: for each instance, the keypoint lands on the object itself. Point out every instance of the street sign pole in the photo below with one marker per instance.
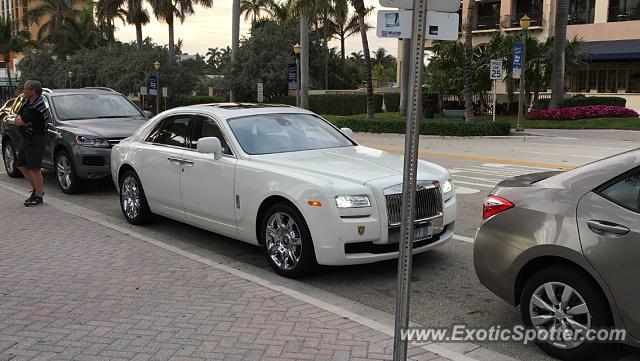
(495, 73)
(494, 101)
(412, 138)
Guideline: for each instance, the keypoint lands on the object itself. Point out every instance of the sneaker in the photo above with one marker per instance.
(36, 201)
(33, 194)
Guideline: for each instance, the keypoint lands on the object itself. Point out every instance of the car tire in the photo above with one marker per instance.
(585, 291)
(133, 201)
(286, 241)
(66, 174)
(9, 158)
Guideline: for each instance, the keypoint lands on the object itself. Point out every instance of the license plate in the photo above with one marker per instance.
(422, 231)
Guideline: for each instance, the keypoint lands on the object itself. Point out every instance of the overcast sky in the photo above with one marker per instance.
(211, 28)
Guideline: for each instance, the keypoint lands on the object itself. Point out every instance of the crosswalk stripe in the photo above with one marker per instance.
(478, 178)
(503, 170)
(475, 184)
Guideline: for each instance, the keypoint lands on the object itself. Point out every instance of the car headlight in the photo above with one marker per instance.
(96, 142)
(352, 202)
(447, 187)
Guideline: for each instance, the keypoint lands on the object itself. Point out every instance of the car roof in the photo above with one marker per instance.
(90, 90)
(232, 110)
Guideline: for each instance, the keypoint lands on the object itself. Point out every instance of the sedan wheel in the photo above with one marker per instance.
(560, 299)
(287, 241)
(133, 202)
(66, 174)
(9, 157)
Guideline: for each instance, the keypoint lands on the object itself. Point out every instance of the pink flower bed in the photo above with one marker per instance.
(573, 113)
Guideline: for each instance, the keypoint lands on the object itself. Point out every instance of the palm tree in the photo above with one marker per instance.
(468, 64)
(213, 57)
(168, 10)
(52, 16)
(11, 42)
(560, 38)
(282, 13)
(343, 26)
(107, 11)
(83, 30)
(137, 15)
(252, 9)
(361, 11)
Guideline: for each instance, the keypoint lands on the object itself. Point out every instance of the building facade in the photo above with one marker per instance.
(610, 30)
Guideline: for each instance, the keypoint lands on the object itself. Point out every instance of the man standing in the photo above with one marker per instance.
(32, 119)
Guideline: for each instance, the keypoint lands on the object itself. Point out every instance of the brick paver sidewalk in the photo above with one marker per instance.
(73, 289)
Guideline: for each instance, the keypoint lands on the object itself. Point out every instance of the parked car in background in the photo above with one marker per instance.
(85, 124)
(6, 108)
(279, 177)
(565, 247)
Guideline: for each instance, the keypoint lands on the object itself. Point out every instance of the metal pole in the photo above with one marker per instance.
(235, 40)
(157, 92)
(297, 82)
(405, 66)
(523, 75)
(494, 100)
(412, 138)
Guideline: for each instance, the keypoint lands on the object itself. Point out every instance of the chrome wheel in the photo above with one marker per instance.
(9, 158)
(283, 241)
(64, 172)
(130, 197)
(556, 307)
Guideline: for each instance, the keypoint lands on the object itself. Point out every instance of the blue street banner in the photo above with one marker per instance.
(517, 61)
(153, 85)
(293, 77)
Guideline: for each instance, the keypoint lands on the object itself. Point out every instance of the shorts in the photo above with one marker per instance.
(31, 152)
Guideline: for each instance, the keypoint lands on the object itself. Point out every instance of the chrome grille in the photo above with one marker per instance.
(428, 204)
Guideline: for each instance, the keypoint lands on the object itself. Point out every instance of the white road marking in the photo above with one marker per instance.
(516, 166)
(579, 146)
(478, 178)
(463, 238)
(488, 172)
(474, 184)
(464, 190)
(566, 155)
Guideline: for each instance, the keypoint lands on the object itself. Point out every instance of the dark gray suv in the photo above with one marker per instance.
(85, 124)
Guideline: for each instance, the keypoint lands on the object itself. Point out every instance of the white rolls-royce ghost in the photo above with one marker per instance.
(279, 177)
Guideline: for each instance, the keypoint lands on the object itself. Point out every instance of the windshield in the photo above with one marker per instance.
(93, 106)
(279, 133)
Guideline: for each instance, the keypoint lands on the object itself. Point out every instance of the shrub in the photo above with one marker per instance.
(336, 104)
(427, 127)
(184, 100)
(579, 101)
(584, 112)
(392, 102)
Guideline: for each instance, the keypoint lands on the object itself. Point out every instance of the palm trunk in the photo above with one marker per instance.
(326, 50)
(468, 64)
(7, 60)
(559, 41)
(172, 45)
(360, 10)
(304, 59)
(235, 41)
(138, 36)
(342, 39)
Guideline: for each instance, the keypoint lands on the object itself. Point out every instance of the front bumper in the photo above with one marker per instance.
(92, 163)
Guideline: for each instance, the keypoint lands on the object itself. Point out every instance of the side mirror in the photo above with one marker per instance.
(210, 145)
(148, 114)
(348, 132)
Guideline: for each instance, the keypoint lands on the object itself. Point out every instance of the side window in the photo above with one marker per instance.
(625, 191)
(172, 131)
(207, 127)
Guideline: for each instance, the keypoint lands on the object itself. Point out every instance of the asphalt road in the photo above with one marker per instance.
(445, 290)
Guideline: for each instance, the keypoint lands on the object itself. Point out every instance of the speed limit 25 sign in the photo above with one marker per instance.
(495, 71)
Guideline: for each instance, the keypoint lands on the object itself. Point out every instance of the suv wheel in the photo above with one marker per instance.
(66, 174)
(9, 157)
(287, 241)
(561, 298)
(133, 202)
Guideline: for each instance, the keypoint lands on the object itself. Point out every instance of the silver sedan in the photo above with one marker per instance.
(565, 247)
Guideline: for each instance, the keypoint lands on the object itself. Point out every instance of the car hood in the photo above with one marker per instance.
(356, 164)
(107, 127)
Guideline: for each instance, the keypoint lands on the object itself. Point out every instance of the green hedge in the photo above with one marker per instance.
(184, 100)
(336, 104)
(392, 102)
(582, 101)
(427, 127)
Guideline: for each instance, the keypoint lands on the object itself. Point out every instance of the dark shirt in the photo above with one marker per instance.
(34, 117)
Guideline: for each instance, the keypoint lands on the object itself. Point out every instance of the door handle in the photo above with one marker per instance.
(172, 159)
(607, 228)
(187, 162)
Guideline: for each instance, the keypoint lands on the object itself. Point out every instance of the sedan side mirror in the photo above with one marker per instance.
(148, 114)
(348, 132)
(210, 145)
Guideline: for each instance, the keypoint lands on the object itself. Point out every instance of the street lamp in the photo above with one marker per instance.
(296, 51)
(70, 74)
(525, 21)
(157, 66)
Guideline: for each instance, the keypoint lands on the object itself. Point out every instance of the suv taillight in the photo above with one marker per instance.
(494, 205)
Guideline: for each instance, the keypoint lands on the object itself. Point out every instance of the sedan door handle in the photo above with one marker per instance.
(177, 160)
(187, 162)
(606, 228)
